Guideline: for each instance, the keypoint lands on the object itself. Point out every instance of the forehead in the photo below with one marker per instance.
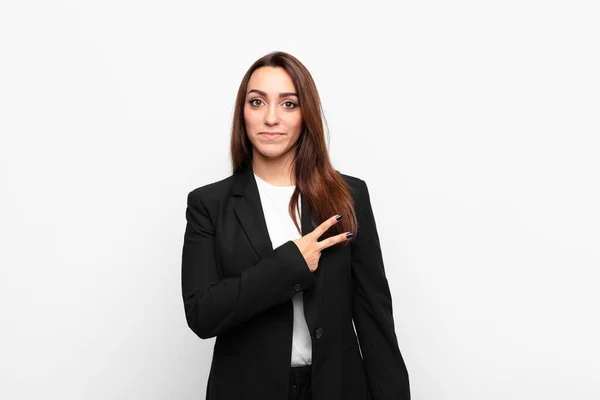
(271, 79)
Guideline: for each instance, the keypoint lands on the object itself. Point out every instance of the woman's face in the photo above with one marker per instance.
(271, 106)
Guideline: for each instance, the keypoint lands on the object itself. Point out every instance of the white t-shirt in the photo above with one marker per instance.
(275, 201)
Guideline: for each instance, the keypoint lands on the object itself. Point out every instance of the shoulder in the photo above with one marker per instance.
(212, 191)
(357, 185)
(359, 192)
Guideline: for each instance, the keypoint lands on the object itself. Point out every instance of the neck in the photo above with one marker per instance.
(276, 171)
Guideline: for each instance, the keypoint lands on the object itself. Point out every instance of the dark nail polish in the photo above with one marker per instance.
(349, 235)
(338, 217)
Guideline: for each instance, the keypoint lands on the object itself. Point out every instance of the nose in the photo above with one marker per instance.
(271, 116)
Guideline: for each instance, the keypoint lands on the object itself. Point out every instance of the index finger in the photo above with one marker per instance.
(322, 228)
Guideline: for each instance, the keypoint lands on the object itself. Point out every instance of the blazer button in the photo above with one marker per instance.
(297, 287)
(319, 333)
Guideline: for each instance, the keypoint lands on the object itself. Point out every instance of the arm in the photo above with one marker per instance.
(214, 305)
(372, 309)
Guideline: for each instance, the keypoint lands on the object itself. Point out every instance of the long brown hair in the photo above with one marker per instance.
(322, 187)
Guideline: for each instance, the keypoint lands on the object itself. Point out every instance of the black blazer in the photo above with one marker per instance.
(238, 288)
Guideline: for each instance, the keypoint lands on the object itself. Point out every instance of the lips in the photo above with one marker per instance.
(271, 135)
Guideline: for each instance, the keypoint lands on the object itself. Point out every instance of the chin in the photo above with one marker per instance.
(271, 154)
(271, 151)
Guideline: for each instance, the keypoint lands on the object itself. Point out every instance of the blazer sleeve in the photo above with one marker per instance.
(213, 305)
(372, 309)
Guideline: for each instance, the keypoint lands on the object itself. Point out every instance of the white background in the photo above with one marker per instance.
(475, 125)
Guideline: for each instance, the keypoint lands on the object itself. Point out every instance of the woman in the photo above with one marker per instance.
(280, 258)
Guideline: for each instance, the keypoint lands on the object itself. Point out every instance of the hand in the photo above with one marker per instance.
(311, 248)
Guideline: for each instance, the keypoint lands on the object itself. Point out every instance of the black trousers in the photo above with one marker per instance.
(300, 385)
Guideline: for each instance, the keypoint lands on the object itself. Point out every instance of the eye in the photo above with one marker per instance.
(252, 102)
(292, 105)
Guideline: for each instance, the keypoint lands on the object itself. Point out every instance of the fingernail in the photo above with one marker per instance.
(338, 217)
(349, 235)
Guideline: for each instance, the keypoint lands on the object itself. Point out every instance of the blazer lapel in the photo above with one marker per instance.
(249, 213)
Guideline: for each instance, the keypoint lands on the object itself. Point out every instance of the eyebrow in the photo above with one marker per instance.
(282, 94)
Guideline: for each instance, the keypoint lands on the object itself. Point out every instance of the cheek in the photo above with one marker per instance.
(249, 118)
(295, 121)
